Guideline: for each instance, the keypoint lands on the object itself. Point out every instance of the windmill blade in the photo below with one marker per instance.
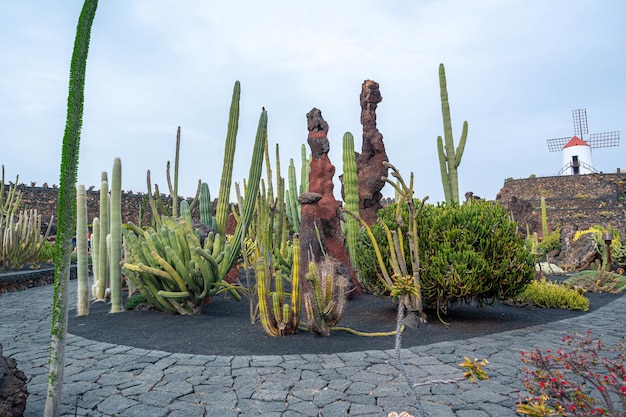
(604, 140)
(556, 145)
(580, 122)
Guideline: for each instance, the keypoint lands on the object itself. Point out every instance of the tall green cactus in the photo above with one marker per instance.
(223, 199)
(81, 251)
(351, 192)
(449, 159)
(115, 231)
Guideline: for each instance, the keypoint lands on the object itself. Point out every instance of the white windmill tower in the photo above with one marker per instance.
(576, 150)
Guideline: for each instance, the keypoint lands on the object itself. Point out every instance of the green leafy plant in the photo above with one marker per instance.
(549, 294)
(584, 378)
(467, 252)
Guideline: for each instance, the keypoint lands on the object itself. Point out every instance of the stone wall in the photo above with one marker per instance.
(582, 200)
(45, 200)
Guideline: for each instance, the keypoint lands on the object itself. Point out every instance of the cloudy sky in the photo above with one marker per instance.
(515, 70)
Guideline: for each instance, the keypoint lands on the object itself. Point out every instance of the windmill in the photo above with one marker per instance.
(576, 150)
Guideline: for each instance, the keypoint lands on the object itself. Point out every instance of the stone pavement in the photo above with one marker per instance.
(103, 379)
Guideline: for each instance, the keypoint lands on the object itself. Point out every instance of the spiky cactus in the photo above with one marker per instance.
(115, 231)
(206, 208)
(279, 317)
(81, 250)
(326, 302)
(449, 158)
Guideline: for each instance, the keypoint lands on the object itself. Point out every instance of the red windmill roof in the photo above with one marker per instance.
(575, 141)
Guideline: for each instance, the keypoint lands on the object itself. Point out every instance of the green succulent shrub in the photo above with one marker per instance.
(468, 252)
(549, 294)
(550, 242)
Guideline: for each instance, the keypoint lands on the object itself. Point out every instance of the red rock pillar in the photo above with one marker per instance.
(319, 207)
(369, 162)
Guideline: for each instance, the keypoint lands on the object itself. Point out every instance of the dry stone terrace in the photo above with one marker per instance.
(104, 379)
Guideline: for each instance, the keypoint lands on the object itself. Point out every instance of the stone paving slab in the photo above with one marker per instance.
(102, 379)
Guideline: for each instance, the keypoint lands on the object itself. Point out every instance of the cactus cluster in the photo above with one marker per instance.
(107, 241)
(326, 302)
(171, 267)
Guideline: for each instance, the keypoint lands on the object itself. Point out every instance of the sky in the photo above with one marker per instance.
(515, 70)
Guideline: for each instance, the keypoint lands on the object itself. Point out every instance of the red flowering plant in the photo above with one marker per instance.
(585, 379)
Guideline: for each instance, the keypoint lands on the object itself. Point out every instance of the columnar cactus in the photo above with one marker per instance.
(206, 208)
(115, 231)
(449, 159)
(223, 199)
(103, 264)
(351, 192)
(82, 252)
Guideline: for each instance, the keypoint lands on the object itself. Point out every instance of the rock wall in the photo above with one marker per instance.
(45, 200)
(580, 200)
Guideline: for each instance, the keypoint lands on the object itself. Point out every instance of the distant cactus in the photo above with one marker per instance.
(449, 158)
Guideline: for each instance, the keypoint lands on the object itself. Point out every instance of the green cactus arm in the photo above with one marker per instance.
(173, 188)
(461, 147)
(223, 201)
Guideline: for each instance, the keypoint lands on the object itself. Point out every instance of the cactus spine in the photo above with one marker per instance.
(115, 251)
(351, 192)
(81, 251)
(449, 159)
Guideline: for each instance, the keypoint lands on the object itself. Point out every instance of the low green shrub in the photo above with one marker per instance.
(468, 252)
(598, 281)
(550, 294)
(134, 300)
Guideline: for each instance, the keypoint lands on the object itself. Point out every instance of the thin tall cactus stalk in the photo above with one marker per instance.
(67, 208)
